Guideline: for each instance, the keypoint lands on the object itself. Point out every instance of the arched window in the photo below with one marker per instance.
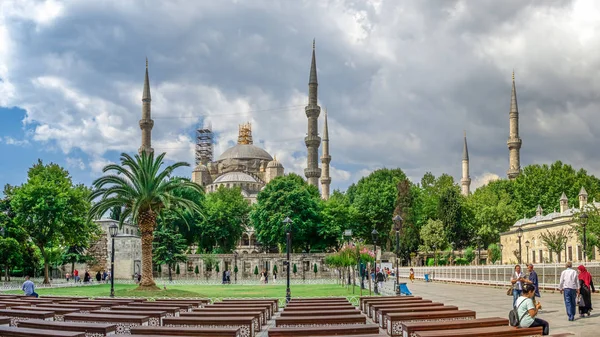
(245, 240)
(253, 240)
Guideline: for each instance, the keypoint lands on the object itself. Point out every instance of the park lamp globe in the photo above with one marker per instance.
(520, 232)
(397, 223)
(375, 235)
(583, 218)
(112, 230)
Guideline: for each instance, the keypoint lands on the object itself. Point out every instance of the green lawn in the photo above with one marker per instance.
(275, 291)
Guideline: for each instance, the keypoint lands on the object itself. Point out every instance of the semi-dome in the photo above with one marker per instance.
(245, 151)
(233, 177)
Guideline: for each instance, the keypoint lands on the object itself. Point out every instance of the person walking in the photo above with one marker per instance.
(86, 277)
(76, 275)
(527, 310)
(380, 278)
(517, 281)
(569, 286)
(532, 279)
(98, 276)
(29, 288)
(586, 288)
(411, 276)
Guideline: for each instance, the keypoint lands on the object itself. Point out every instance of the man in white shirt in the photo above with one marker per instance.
(569, 286)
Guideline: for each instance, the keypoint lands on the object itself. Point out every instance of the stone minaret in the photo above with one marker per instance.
(466, 179)
(312, 139)
(325, 160)
(583, 196)
(564, 203)
(146, 123)
(514, 142)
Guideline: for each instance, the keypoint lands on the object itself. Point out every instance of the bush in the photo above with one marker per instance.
(461, 261)
(235, 269)
(469, 254)
(255, 270)
(315, 269)
(217, 267)
(197, 271)
(274, 269)
(295, 270)
(430, 262)
(177, 270)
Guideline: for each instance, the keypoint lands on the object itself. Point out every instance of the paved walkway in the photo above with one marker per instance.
(493, 302)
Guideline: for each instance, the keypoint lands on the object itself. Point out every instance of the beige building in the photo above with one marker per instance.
(534, 250)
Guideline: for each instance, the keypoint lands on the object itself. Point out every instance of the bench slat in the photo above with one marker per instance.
(184, 331)
(411, 327)
(6, 331)
(496, 331)
(96, 328)
(334, 330)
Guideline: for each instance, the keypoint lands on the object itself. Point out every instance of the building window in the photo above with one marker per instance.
(579, 253)
(533, 256)
(541, 256)
(190, 266)
(570, 253)
(593, 253)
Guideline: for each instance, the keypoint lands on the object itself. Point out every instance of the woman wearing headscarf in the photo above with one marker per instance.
(586, 288)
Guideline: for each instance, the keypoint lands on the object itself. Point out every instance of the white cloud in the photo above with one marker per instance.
(12, 141)
(97, 164)
(75, 163)
(483, 179)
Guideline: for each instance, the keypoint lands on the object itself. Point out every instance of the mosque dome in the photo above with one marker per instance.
(200, 167)
(245, 151)
(234, 177)
(274, 163)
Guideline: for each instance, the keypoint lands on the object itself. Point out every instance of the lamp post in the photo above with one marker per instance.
(478, 239)
(501, 249)
(397, 226)
(112, 230)
(288, 231)
(235, 268)
(583, 218)
(304, 254)
(348, 236)
(520, 235)
(527, 247)
(435, 255)
(375, 236)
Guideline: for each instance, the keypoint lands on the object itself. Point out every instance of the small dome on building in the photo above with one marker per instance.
(274, 163)
(200, 168)
(232, 177)
(245, 151)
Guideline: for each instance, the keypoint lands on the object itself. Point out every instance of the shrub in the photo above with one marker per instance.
(197, 271)
(177, 270)
(255, 270)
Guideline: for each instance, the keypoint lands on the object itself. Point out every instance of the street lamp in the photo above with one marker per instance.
(527, 246)
(304, 254)
(348, 236)
(520, 235)
(584, 219)
(235, 268)
(288, 231)
(478, 238)
(501, 249)
(112, 230)
(397, 226)
(375, 236)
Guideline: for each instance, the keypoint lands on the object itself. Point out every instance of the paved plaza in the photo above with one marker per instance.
(493, 302)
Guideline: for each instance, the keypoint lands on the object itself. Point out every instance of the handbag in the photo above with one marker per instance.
(580, 302)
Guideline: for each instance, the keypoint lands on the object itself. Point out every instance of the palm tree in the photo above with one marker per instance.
(143, 190)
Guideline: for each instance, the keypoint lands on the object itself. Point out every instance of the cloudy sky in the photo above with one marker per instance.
(401, 80)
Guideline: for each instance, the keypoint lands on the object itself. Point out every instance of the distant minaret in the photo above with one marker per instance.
(146, 123)
(514, 142)
(325, 160)
(312, 139)
(466, 179)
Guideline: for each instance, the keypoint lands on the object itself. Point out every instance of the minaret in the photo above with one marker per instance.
(312, 139)
(514, 142)
(146, 123)
(466, 179)
(583, 196)
(325, 160)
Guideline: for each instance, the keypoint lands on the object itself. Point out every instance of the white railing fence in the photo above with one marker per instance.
(494, 275)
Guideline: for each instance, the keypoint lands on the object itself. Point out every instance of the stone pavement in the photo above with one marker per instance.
(493, 302)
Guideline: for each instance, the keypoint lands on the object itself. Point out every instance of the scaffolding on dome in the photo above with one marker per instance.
(204, 145)
(245, 134)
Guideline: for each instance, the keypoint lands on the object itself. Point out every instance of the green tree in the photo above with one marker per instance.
(405, 207)
(374, 198)
(169, 249)
(315, 269)
(451, 213)
(226, 212)
(256, 270)
(469, 254)
(295, 269)
(275, 269)
(433, 236)
(555, 240)
(177, 271)
(287, 196)
(12, 255)
(337, 215)
(185, 221)
(51, 210)
(196, 271)
(431, 189)
(494, 253)
(139, 185)
(75, 254)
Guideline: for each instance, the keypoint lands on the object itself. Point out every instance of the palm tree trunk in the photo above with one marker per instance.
(147, 223)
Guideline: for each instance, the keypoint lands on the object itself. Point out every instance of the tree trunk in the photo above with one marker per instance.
(44, 255)
(170, 277)
(147, 223)
(72, 267)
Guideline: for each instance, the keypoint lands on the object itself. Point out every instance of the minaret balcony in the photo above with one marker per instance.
(513, 173)
(514, 143)
(312, 110)
(326, 159)
(326, 181)
(146, 123)
(312, 172)
(312, 141)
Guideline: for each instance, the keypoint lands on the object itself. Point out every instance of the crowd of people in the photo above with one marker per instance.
(101, 277)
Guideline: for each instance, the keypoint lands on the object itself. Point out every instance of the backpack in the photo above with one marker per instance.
(513, 315)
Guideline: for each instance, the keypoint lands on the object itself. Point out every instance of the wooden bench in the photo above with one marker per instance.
(328, 303)
(196, 303)
(147, 331)
(58, 312)
(181, 307)
(263, 307)
(154, 317)
(258, 316)
(335, 330)
(171, 311)
(366, 304)
(295, 321)
(6, 331)
(384, 311)
(90, 329)
(496, 331)
(34, 300)
(103, 305)
(395, 320)
(362, 299)
(84, 309)
(124, 323)
(317, 307)
(245, 323)
(373, 307)
(410, 328)
(274, 301)
(4, 321)
(230, 311)
(321, 313)
(17, 316)
(319, 299)
(16, 303)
